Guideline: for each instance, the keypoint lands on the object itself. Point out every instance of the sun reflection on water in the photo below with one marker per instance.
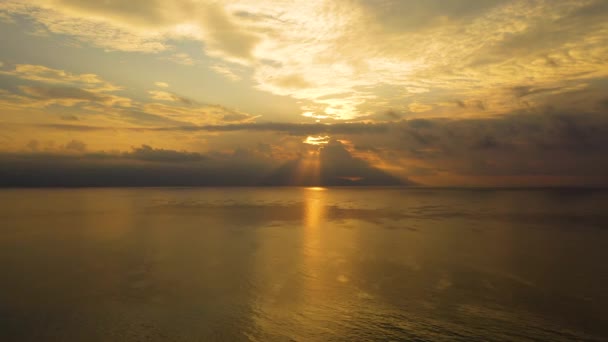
(312, 243)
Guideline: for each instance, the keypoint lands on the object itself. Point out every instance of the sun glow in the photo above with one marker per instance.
(317, 140)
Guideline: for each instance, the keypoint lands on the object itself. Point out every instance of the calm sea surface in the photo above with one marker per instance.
(298, 264)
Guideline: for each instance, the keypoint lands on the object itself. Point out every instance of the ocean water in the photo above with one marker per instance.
(303, 264)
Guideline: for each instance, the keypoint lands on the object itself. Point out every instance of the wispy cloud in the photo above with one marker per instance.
(54, 87)
(226, 72)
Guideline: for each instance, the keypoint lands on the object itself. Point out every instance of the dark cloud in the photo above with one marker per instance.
(393, 115)
(550, 143)
(566, 132)
(69, 117)
(486, 142)
(523, 91)
(147, 166)
(76, 145)
(339, 166)
(148, 153)
(40, 170)
(33, 145)
(420, 123)
(334, 165)
(474, 104)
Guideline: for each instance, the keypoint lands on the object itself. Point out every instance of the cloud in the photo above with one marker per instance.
(143, 26)
(166, 96)
(44, 96)
(55, 86)
(517, 149)
(471, 50)
(292, 82)
(5, 18)
(419, 107)
(557, 130)
(137, 12)
(45, 74)
(339, 166)
(181, 58)
(290, 128)
(110, 25)
(192, 113)
(148, 166)
(69, 117)
(70, 93)
(296, 129)
(76, 145)
(147, 153)
(59, 87)
(525, 130)
(161, 84)
(524, 149)
(45, 169)
(234, 116)
(416, 90)
(75, 128)
(226, 72)
(428, 14)
(225, 37)
(331, 165)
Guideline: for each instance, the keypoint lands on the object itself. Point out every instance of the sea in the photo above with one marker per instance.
(303, 264)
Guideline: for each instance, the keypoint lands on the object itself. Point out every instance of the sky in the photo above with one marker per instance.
(310, 92)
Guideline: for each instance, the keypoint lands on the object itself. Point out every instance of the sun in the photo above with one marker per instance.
(317, 140)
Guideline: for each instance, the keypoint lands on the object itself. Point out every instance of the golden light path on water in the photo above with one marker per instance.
(314, 219)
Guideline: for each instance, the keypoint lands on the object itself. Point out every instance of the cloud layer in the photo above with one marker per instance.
(551, 148)
(147, 166)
